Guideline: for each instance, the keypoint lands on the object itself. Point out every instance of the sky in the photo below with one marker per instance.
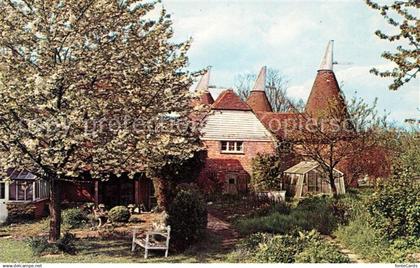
(236, 37)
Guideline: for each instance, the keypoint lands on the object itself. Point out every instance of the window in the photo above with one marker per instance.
(21, 191)
(232, 147)
(41, 189)
(2, 190)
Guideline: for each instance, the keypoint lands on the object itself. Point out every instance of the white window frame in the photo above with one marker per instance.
(43, 188)
(235, 147)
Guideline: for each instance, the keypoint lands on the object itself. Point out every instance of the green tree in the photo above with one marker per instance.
(406, 56)
(92, 86)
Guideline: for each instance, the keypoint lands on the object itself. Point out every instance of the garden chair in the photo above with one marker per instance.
(150, 241)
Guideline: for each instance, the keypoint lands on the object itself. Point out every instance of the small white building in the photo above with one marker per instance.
(21, 188)
(309, 177)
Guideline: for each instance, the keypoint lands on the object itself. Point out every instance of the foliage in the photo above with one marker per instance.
(311, 213)
(361, 237)
(408, 33)
(18, 213)
(187, 216)
(82, 90)
(294, 247)
(74, 218)
(266, 173)
(318, 251)
(395, 206)
(38, 245)
(41, 246)
(119, 214)
(341, 130)
(276, 90)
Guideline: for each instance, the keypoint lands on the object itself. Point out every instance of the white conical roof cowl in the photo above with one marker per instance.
(203, 84)
(260, 82)
(327, 60)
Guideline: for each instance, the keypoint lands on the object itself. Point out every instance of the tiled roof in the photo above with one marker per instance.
(280, 124)
(206, 98)
(325, 93)
(258, 101)
(228, 100)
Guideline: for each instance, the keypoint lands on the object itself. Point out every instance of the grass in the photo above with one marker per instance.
(360, 237)
(314, 213)
(109, 245)
(96, 250)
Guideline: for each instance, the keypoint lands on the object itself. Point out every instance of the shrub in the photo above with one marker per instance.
(266, 173)
(360, 236)
(319, 251)
(280, 248)
(312, 213)
(74, 218)
(40, 245)
(296, 247)
(66, 244)
(253, 240)
(18, 213)
(187, 216)
(119, 214)
(395, 208)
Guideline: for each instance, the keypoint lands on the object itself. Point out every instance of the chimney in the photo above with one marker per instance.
(257, 99)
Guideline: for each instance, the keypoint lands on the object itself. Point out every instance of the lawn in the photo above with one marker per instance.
(97, 250)
(107, 245)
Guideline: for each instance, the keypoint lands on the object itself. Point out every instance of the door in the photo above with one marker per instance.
(231, 182)
(4, 195)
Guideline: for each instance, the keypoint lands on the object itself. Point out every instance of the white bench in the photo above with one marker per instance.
(150, 242)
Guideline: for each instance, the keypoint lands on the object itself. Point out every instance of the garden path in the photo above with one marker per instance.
(354, 258)
(220, 227)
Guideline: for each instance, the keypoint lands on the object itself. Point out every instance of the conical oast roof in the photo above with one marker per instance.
(257, 99)
(203, 88)
(326, 97)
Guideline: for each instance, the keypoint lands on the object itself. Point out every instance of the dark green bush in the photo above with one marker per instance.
(40, 245)
(66, 244)
(74, 218)
(119, 214)
(266, 173)
(187, 216)
(395, 206)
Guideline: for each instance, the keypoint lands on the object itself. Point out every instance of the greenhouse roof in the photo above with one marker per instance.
(304, 167)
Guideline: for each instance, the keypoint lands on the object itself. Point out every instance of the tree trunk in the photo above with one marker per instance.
(332, 184)
(55, 211)
(163, 192)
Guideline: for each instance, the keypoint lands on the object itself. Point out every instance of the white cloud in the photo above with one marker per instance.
(241, 36)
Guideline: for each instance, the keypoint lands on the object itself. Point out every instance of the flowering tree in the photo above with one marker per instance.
(92, 85)
(337, 134)
(401, 15)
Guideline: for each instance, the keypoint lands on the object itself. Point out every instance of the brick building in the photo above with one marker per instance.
(236, 131)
